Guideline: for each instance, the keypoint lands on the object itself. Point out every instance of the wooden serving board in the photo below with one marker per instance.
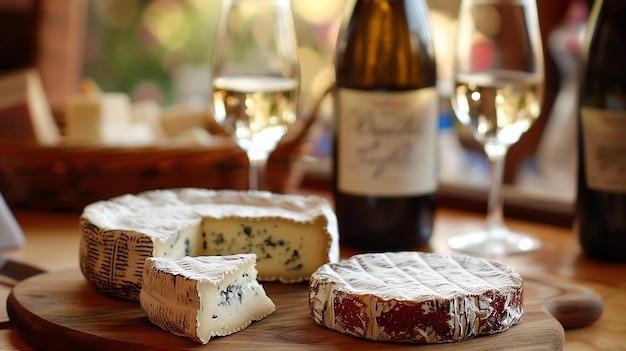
(61, 311)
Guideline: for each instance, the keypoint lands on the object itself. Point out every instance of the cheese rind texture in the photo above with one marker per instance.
(416, 297)
(202, 297)
(291, 235)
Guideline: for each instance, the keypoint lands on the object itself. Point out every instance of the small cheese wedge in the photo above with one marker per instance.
(203, 297)
(97, 118)
(145, 123)
(25, 113)
(179, 118)
(194, 136)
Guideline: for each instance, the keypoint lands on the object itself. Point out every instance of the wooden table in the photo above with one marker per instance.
(52, 244)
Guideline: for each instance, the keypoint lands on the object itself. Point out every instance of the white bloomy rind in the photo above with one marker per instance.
(416, 297)
(291, 235)
(203, 297)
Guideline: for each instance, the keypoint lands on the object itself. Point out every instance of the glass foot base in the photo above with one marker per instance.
(494, 242)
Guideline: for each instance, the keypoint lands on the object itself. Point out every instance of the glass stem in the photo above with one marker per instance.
(256, 171)
(495, 206)
(253, 175)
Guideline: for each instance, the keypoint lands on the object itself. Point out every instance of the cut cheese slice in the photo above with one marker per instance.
(98, 118)
(25, 113)
(291, 235)
(177, 119)
(416, 297)
(203, 297)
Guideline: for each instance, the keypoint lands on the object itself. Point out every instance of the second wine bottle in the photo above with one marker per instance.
(385, 155)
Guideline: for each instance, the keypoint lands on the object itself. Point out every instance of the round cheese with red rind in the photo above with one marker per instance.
(416, 297)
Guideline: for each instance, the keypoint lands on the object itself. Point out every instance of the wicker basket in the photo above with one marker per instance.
(68, 178)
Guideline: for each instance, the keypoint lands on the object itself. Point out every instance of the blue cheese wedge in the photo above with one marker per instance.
(203, 297)
(291, 235)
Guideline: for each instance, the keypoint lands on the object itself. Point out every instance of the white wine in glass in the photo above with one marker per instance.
(256, 76)
(499, 78)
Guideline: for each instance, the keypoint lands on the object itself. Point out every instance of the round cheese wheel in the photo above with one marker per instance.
(415, 297)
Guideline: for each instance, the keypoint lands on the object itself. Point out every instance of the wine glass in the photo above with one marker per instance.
(256, 76)
(499, 77)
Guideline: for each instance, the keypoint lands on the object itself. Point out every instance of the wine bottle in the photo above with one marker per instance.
(601, 201)
(384, 155)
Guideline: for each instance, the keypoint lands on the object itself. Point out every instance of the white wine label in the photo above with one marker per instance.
(386, 142)
(604, 138)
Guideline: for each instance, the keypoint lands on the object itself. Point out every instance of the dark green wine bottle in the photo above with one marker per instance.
(385, 126)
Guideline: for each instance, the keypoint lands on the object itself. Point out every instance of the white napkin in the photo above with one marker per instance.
(11, 235)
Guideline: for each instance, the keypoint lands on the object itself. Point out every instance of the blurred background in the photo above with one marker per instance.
(160, 50)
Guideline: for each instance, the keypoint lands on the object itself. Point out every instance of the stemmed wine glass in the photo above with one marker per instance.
(256, 76)
(499, 77)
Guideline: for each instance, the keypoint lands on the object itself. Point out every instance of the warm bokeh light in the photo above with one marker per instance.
(319, 11)
(206, 6)
(163, 39)
(117, 13)
(443, 27)
(261, 30)
(167, 22)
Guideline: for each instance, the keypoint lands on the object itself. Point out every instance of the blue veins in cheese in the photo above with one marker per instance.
(202, 297)
(290, 235)
(282, 249)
